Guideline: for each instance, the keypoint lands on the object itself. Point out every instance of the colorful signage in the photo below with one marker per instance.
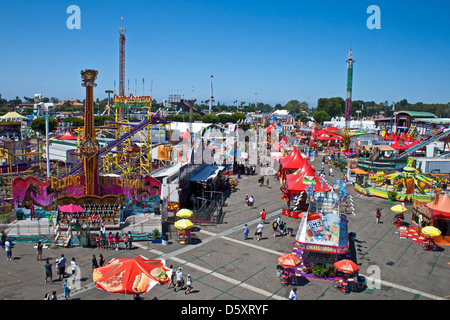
(323, 229)
(139, 193)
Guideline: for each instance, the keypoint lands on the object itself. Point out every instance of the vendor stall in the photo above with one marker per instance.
(434, 213)
(322, 237)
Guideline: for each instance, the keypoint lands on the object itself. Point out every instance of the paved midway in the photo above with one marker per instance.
(226, 267)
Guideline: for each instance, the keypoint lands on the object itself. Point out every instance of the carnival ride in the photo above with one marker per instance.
(406, 177)
(404, 185)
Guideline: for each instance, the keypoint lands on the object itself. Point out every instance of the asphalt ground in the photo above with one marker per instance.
(223, 266)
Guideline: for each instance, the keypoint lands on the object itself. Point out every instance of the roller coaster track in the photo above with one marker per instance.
(112, 144)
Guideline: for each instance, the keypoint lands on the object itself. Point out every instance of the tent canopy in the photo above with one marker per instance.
(68, 136)
(289, 156)
(12, 115)
(186, 135)
(442, 208)
(296, 162)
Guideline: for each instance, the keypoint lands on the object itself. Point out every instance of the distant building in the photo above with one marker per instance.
(72, 103)
(423, 122)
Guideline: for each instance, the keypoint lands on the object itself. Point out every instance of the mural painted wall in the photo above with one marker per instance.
(31, 194)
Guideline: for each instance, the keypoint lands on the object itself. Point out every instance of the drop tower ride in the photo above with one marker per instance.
(348, 99)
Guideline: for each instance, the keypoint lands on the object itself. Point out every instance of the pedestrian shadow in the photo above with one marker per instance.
(195, 241)
(193, 291)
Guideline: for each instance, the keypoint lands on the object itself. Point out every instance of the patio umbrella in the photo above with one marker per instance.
(131, 276)
(399, 209)
(346, 266)
(289, 260)
(71, 208)
(431, 231)
(183, 224)
(184, 213)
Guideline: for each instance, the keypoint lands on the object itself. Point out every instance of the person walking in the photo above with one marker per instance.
(117, 240)
(73, 265)
(398, 224)
(267, 182)
(39, 250)
(66, 290)
(246, 200)
(48, 271)
(251, 201)
(54, 296)
(293, 294)
(188, 284)
(180, 280)
(378, 216)
(275, 227)
(62, 266)
(110, 241)
(125, 240)
(130, 240)
(259, 229)
(8, 249)
(172, 277)
(3, 239)
(263, 215)
(101, 260)
(246, 231)
(94, 262)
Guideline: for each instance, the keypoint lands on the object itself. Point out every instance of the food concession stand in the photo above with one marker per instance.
(435, 213)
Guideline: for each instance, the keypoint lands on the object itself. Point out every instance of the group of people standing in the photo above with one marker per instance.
(112, 242)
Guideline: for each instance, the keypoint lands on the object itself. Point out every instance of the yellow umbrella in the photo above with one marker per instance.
(431, 231)
(399, 209)
(183, 224)
(184, 213)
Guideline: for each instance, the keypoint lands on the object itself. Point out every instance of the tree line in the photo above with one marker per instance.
(326, 109)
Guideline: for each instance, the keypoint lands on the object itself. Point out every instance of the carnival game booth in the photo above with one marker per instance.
(434, 213)
(322, 237)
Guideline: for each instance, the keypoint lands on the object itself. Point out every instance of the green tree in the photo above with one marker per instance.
(321, 116)
(238, 116)
(76, 122)
(175, 117)
(302, 117)
(293, 106)
(225, 118)
(210, 118)
(195, 117)
(39, 125)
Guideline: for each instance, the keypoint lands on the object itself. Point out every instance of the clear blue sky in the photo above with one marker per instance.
(281, 50)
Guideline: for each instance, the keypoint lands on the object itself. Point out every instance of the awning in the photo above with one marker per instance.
(359, 171)
(207, 173)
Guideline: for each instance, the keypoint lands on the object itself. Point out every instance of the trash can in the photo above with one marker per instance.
(238, 176)
(165, 239)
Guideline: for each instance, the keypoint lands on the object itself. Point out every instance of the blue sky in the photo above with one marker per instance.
(280, 50)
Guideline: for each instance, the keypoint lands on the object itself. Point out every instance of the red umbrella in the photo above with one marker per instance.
(131, 276)
(346, 266)
(289, 260)
(71, 208)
